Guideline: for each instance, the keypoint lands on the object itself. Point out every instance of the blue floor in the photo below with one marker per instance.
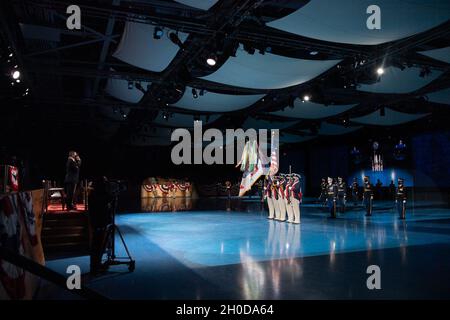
(239, 254)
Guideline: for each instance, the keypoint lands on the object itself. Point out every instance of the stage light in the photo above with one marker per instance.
(18, 80)
(211, 60)
(15, 74)
(249, 49)
(157, 33)
(194, 93)
(425, 71)
(10, 55)
(306, 97)
(380, 71)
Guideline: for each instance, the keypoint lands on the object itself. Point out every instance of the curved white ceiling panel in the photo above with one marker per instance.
(268, 71)
(395, 80)
(330, 129)
(311, 110)
(138, 47)
(345, 21)
(182, 120)
(390, 118)
(442, 54)
(216, 102)
(118, 88)
(442, 96)
(252, 123)
(199, 4)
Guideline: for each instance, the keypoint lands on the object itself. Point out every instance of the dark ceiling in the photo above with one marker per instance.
(65, 71)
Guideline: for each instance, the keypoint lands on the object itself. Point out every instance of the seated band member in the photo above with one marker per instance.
(287, 198)
(281, 202)
(355, 191)
(296, 197)
(71, 178)
(342, 194)
(331, 194)
(368, 196)
(400, 199)
(268, 197)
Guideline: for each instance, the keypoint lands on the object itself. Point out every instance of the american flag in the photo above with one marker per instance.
(273, 162)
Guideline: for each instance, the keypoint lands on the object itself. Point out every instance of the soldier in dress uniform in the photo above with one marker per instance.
(287, 197)
(368, 196)
(281, 201)
(274, 189)
(400, 199)
(323, 191)
(342, 194)
(295, 195)
(268, 196)
(355, 191)
(331, 195)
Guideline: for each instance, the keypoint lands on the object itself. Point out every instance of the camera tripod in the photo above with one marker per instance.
(110, 242)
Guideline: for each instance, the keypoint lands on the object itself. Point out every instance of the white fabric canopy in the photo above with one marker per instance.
(330, 129)
(345, 21)
(268, 71)
(442, 54)
(391, 118)
(442, 96)
(182, 120)
(311, 110)
(265, 124)
(138, 47)
(118, 88)
(199, 4)
(216, 102)
(395, 80)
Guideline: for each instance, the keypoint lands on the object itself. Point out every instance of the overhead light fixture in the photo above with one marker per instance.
(249, 49)
(157, 33)
(15, 74)
(211, 60)
(194, 93)
(380, 71)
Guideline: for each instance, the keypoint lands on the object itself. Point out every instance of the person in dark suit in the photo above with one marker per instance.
(71, 179)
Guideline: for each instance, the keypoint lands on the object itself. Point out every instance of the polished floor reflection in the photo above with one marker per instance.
(208, 254)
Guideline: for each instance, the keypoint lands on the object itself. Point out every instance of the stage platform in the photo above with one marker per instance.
(237, 253)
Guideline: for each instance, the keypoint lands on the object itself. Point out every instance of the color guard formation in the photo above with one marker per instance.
(283, 194)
